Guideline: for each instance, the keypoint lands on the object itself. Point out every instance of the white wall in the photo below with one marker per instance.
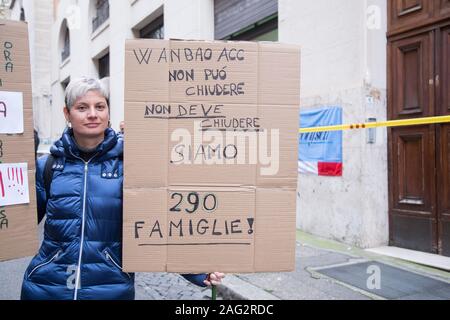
(343, 63)
(192, 19)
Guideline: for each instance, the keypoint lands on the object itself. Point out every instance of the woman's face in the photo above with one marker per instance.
(89, 115)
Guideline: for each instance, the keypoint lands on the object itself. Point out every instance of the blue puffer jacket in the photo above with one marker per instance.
(83, 229)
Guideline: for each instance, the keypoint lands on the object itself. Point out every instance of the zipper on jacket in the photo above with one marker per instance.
(45, 263)
(77, 279)
(109, 257)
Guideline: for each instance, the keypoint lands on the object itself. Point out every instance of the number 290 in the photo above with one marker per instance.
(209, 202)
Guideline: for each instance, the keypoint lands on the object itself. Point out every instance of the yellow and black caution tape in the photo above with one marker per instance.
(392, 123)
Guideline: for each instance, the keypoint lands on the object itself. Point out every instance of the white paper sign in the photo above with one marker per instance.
(13, 184)
(11, 112)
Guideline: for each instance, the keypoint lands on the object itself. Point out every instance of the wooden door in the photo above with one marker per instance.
(408, 13)
(412, 220)
(443, 173)
(443, 8)
(411, 77)
(419, 156)
(443, 191)
(443, 72)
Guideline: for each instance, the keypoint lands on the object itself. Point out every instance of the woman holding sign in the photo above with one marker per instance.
(80, 257)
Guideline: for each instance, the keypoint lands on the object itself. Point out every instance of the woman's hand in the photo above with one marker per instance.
(214, 279)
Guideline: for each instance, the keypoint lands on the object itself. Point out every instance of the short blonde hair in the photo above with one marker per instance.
(79, 87)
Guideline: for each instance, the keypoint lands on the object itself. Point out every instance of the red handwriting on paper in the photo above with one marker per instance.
(15, 179)
(2, 186)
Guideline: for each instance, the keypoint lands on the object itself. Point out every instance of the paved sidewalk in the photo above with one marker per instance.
(304, 283)
(307, 283)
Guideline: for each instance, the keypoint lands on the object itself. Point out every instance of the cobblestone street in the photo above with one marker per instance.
(167, 286)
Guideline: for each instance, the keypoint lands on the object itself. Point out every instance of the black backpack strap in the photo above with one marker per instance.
(48, 174)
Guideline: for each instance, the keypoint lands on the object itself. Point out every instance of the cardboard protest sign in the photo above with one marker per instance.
(18, 217)
(210, 156)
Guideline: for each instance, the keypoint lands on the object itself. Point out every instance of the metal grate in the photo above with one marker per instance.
(394, 283)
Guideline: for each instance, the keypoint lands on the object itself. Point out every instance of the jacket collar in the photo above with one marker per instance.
(109, 148)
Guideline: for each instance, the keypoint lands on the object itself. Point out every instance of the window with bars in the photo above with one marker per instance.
(102, 14)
